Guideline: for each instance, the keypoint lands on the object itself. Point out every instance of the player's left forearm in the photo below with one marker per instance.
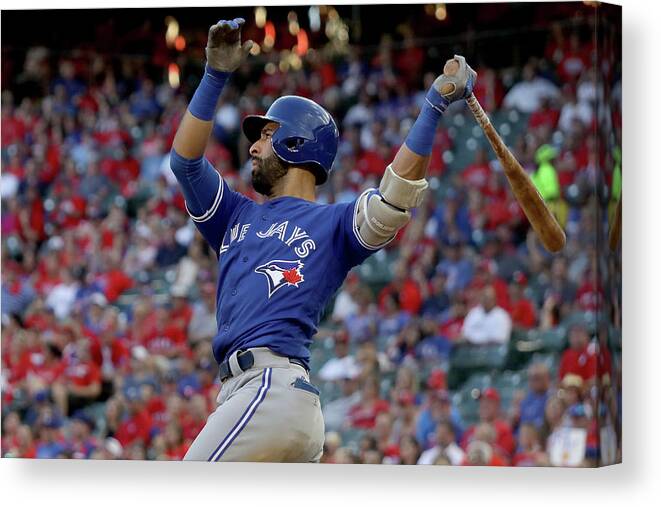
(413, 157)
(455, 83)
(409, 165)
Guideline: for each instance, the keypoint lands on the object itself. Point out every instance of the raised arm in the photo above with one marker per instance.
(224, 55)
(381, 213)
(456, 83)
(208, 199)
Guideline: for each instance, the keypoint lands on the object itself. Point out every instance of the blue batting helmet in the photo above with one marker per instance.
(307, 134)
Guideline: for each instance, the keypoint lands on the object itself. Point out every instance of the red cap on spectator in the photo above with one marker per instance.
(490, 393)
(487, 265)
(341, 336)
(437, 380)
(520, 278)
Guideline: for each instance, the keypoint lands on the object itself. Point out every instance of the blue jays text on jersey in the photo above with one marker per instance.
(279, 264)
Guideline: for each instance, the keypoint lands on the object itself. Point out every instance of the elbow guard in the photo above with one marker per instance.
(381, 213)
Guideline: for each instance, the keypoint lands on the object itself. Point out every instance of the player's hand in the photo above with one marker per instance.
(224, 50)
(457, 80)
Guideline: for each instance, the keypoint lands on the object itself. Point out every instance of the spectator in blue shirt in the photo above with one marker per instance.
(531, 409)
(456, 267)
(16, 293)
(189, 381)
(51, 444)
(439, 409)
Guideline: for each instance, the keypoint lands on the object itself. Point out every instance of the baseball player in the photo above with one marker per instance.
(280, 261)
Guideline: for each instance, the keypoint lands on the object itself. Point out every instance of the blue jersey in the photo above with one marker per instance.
(279, 264)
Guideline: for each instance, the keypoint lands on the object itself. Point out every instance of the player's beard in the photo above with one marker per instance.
(267, 173)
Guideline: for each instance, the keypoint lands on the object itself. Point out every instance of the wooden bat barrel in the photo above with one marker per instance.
(540, 217)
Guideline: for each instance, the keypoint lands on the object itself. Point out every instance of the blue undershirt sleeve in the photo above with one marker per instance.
(209, 200)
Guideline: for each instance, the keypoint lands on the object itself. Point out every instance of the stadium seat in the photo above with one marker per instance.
(550, 340)
(524, 344)
(513, 379)
(477, 381)
(467, 407)
(466, 359)
(587, 319)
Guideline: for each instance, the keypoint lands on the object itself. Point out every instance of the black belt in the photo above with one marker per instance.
(246, 361)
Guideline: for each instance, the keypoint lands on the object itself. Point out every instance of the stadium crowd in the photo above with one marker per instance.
(108, 291)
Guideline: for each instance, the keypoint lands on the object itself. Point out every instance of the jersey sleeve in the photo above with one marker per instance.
(209, 200)
(213, 223)
(349, 246)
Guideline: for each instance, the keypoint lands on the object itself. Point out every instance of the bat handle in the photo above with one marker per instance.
(478, 112)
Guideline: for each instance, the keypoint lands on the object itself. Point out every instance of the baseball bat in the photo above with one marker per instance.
(540, 217)
(616, 227)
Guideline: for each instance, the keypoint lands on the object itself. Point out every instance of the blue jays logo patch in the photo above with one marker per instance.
(281, 273)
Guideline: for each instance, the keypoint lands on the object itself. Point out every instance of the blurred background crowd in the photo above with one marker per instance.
(463, 342)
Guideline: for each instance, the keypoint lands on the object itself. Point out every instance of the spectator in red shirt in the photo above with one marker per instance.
(48, 275)
(48, 370)
(529, 452)
(476, 175)
(547, 116)
(452, 323)
(363, 414)
(575, 59)
(490, 413)
(175, 446)
(408, 291)
(590, 294)
(122, 169)
(110, 351)
(155, 405)
(197, 413)
(81, 383)
(135, 427)
(144, 321)
(486, 274)
(579, 358)
(181, 311)
(488, 89)
(372, 162)
(32, 217)
(114, 281)
(24, 351)
(166, 338)
(13, 127)
(70, 210)
(521, 308)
